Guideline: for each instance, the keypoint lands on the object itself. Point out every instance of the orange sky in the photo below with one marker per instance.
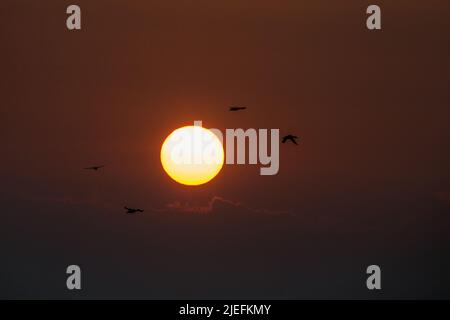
(372, 108)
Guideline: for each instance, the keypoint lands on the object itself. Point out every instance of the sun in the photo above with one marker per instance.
(192, 155)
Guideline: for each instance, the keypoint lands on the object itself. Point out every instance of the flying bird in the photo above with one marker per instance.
(289, 137)
(93, 168)
(237, 108)
(131, 210)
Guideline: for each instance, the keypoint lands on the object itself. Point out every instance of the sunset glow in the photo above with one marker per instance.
(192, 155)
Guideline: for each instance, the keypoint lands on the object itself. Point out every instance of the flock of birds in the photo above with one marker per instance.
(130, 211)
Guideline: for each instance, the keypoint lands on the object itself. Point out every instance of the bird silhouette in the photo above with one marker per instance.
(131, 210)
(237, 108)
(93, 168)
(289, 137)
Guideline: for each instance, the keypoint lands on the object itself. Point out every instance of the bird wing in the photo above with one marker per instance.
(93, 167)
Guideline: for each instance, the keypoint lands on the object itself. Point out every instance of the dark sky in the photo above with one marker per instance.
(368, 184)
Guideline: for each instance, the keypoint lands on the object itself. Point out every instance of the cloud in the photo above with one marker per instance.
(209, 207)
(215, 205)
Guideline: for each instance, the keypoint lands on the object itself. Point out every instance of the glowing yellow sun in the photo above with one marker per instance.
(192, 155)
